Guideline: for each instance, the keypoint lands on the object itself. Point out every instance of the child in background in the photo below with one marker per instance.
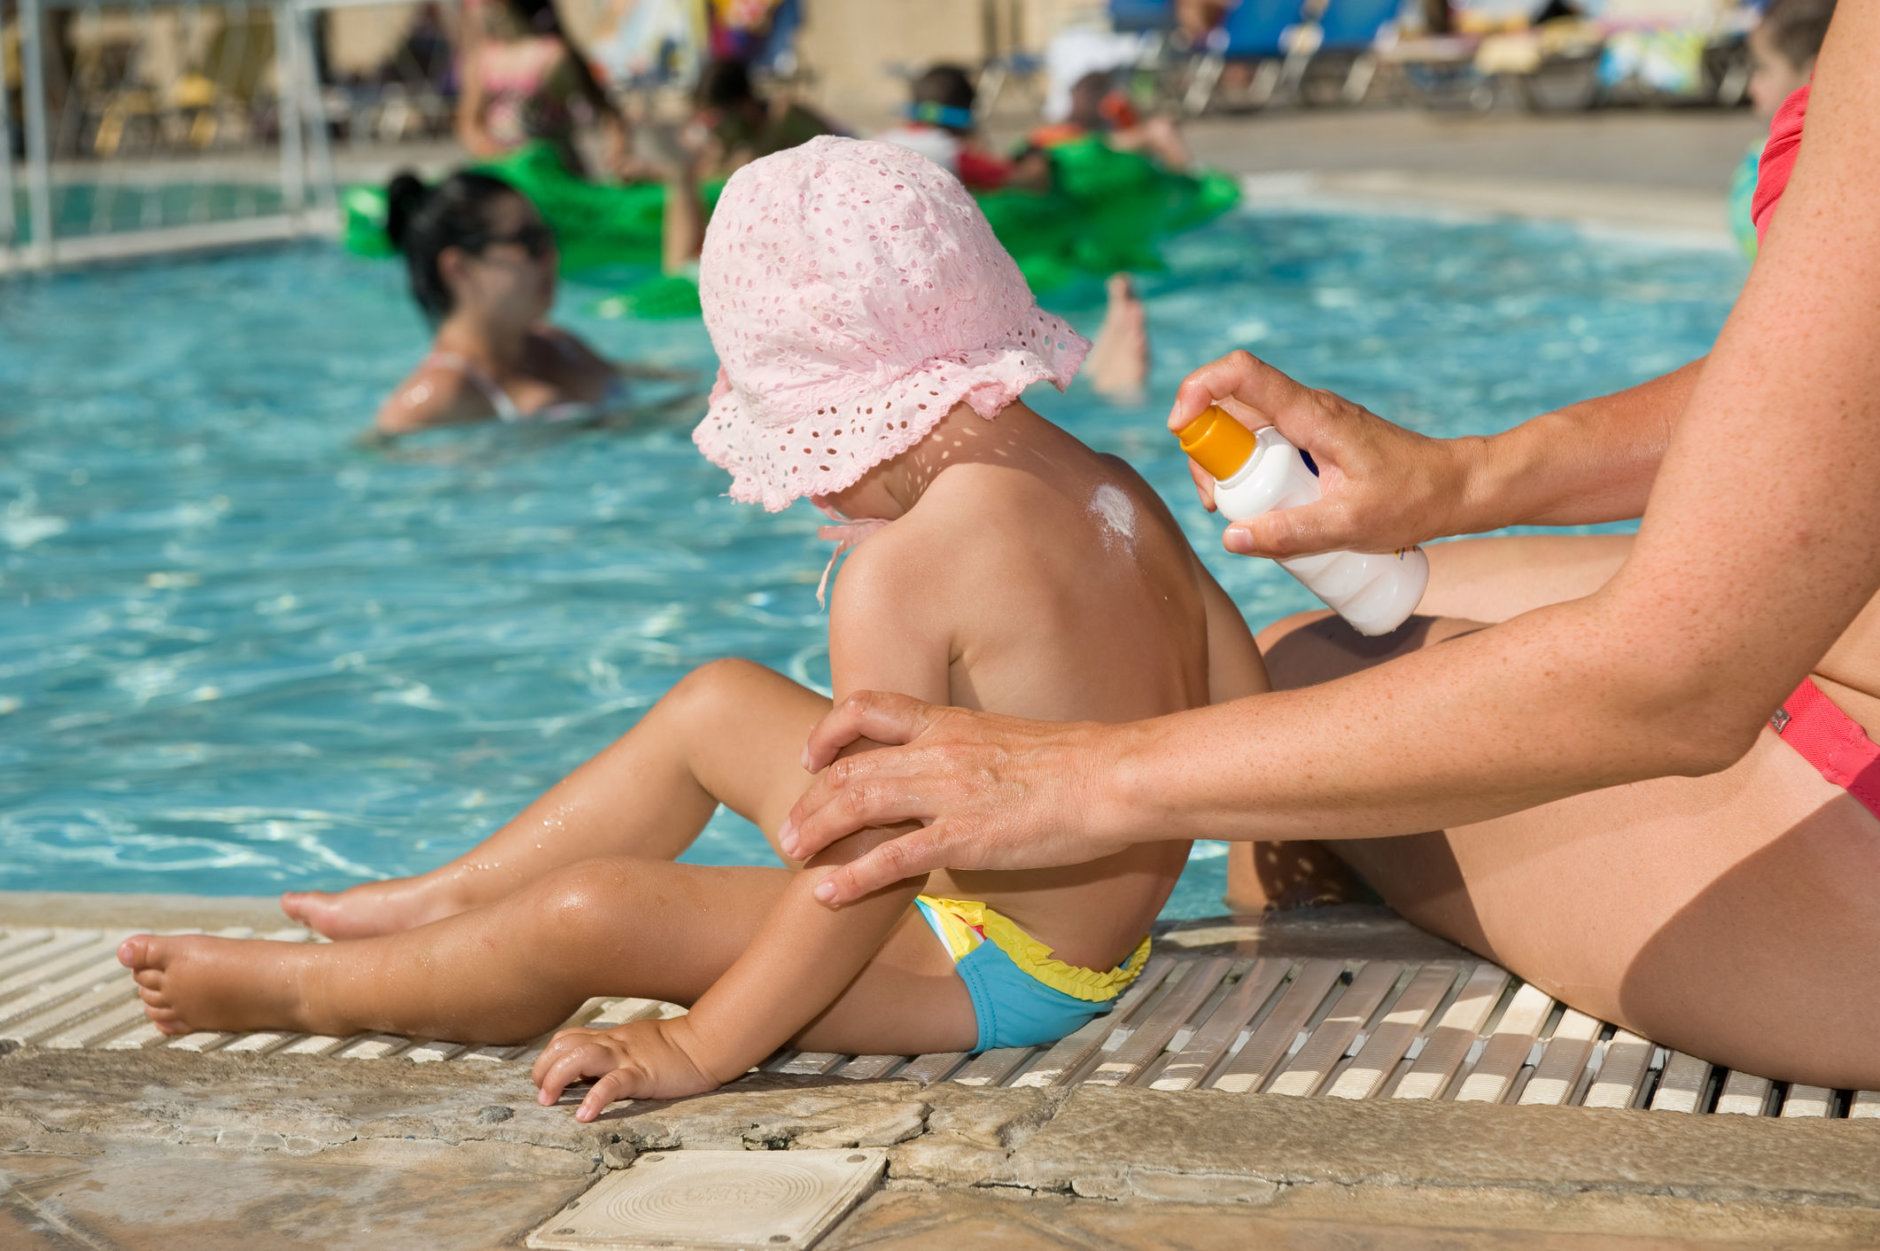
(941, 127)
(1782, 50)
(874, 342)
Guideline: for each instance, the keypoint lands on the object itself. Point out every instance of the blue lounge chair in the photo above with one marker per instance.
(1346, 34)
(1259, 31)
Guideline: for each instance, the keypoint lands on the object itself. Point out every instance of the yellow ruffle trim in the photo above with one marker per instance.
(958, 917)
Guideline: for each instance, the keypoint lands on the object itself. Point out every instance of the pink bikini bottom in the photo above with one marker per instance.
(1827, 738)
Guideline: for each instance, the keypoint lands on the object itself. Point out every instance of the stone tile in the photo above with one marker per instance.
(160, 1196)
(1122, 1142)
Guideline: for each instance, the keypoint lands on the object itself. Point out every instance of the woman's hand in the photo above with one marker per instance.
(1383, 487)
(991, 792)
(638, 1060)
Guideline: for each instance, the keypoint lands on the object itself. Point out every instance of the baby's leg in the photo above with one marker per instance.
(512, 970)
(730, 732)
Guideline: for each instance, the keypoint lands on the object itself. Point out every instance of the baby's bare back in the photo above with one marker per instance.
(1074, 597)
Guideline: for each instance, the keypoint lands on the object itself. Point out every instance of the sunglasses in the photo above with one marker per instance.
(537, 239)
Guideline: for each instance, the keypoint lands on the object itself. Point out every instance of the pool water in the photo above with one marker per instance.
(240, 653)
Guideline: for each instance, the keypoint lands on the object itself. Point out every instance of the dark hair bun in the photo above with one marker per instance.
(405, 195)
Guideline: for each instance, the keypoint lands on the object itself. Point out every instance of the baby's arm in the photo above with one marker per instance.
(885, 633)
(1261, 876)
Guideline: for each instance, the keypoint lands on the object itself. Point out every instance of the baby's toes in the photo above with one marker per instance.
(140, 952)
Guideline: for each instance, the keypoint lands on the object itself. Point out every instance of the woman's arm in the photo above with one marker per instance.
(1760, 545)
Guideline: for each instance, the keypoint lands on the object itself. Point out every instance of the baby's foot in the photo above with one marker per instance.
(371, 908)
(190, 982)
(1119, 356)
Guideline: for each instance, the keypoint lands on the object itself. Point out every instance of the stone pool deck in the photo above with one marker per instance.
(156, 1146)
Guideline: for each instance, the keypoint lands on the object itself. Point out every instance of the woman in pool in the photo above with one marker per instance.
(1572, 766)
(900, 411)
(482, 267)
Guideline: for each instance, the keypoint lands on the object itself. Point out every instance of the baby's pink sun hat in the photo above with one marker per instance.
(855, 294)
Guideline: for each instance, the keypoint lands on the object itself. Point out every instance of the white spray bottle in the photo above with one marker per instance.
(1256, 473)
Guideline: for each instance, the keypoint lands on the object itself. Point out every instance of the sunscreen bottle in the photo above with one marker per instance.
(1257, 472)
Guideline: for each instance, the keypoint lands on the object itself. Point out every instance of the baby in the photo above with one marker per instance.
(874, 342)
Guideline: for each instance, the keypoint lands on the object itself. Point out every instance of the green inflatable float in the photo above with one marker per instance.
(1105, 214)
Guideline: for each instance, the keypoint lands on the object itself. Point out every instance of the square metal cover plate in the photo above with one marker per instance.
(671, 1199)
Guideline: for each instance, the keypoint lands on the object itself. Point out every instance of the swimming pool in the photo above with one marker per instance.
(240, 654)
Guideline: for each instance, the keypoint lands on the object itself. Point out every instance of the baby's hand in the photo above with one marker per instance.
(638, 1060)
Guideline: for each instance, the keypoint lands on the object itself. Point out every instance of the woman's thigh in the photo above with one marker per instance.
(1733, 915)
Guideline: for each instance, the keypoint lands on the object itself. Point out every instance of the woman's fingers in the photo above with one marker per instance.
(877, 715)
(913, 854)
(1319, 527)
(1240, 376)
(856, 793)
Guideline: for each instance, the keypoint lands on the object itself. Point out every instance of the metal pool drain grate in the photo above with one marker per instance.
(1453, 1030)
(782, 1199)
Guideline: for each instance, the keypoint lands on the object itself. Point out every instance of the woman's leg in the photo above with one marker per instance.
(1476, 580)
(1497, 578)
(730, 732)
(514, 969)
(1732, 916)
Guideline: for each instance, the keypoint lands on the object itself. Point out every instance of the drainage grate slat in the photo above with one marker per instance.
(1745, 1095)
(1509, 1045)
(1810, 1101)
(1378, 1057)
(1248, 1068)
(1685, 1083)
(1069, 1053)
(930, 1069)
(1223, 1026)
(1563, 1062)
(993, 1068)
(13, 942)
(1456, 1032)
(61, 956)
(1148, 1038)
(1621, 1073)
(870, 1068)
(1313, 1063)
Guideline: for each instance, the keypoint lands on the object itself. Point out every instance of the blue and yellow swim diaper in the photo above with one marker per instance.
(1022, 995)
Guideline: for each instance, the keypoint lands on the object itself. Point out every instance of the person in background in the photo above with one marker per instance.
(1782, 52)
(1783, 48)
(941, 127)
(742, 125)
(482, 266)
(1099, 107)
(524, 81)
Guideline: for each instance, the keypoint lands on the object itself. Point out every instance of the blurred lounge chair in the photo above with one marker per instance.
(1263, 33)
(1343, 43)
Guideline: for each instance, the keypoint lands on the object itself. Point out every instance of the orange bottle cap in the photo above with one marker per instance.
(1217, 443)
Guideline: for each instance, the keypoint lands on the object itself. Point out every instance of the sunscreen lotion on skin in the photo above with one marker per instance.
(1257, 472)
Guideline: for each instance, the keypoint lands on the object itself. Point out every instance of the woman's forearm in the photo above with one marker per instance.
(1585, 463)
(1512, 716)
